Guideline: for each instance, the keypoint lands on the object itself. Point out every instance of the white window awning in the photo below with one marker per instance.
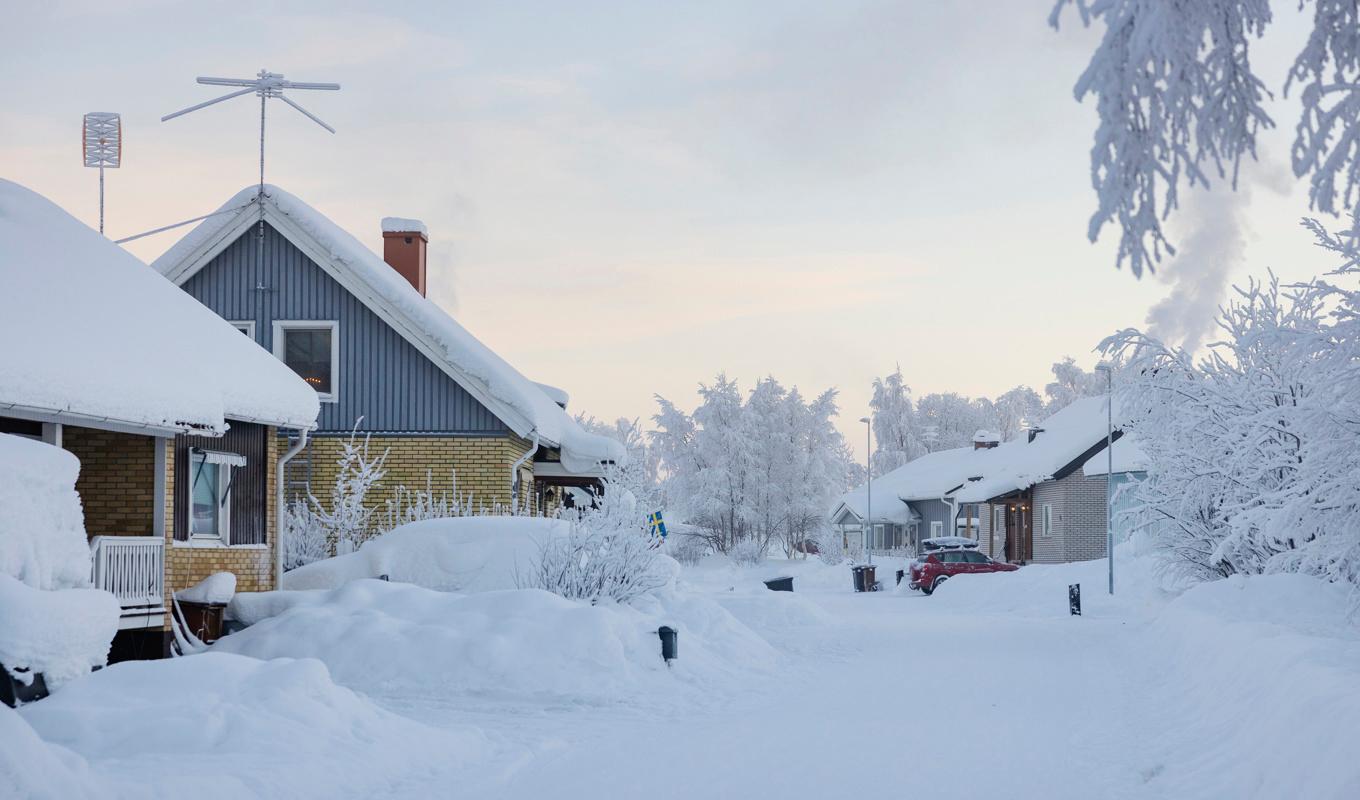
(221, 457)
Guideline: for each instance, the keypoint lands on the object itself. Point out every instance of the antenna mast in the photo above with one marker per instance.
(266, 84)
(102, 136)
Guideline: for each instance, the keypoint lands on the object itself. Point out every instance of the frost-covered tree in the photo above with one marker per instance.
(1180, 103)
(897, 436)
(1071, 382)
(949, 420)
(1016, 408)
(761, 470)
(1255, 449)
(314, 529)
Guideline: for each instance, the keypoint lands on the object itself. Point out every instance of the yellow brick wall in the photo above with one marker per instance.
(476, 467)
(253, 565)
(117, 483)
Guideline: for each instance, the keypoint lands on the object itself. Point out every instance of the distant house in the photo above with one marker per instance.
(171, 414)
(361, 331)
(910, 503)
(1036, 500)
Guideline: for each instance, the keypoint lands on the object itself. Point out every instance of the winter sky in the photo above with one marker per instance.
(624, 199)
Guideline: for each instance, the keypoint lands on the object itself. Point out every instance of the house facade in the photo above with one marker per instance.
(384, 360)
(175, 434)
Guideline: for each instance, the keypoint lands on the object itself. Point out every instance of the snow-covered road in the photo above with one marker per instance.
(897, 693)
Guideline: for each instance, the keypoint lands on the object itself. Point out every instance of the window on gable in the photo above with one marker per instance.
(311, 349)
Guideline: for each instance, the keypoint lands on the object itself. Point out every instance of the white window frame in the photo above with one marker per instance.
(281, 328)
(878, 536)
(222, 537)
(936, 528)
(1046, 520)
(246, 326)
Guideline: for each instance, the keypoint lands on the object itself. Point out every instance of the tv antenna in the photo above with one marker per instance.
(266, 84)
(102, 137)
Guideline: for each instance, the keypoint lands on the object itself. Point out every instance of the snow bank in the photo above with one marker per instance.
(61, 633)
(34, 769)
(223, 726)
(461, 554)
(42, 528)
(1277, 662)
(581, 451)
(395, 639)
(218, 587)
(124, 372)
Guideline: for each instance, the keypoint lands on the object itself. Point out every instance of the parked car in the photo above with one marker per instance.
(938, 566)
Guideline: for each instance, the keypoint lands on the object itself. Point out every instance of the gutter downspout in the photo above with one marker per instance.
(514, 474)
(279, 507)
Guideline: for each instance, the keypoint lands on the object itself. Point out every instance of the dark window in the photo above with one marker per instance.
(976, 558)
(308, 352)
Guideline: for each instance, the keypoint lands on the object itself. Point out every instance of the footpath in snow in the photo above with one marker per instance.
(1240, 688)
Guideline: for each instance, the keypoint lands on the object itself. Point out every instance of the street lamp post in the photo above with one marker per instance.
(868, 488)
(1108, 369)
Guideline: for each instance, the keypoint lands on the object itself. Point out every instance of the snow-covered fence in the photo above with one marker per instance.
(132, 569)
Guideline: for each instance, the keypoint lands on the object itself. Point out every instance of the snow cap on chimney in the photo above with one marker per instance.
(985, 439)
(404, 245)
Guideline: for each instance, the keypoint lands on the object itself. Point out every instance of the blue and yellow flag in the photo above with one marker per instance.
(657, 525)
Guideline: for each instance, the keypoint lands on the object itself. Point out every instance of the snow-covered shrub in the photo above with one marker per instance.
(314, 530)
(747, 552)
(610, 551)
(687, 548)
(414, 505)
(830, 546)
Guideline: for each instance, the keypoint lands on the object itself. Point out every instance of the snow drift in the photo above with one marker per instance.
(223, 726)
(395, 639)
(462, 554)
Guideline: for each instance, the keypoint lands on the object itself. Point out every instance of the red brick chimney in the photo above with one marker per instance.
(404, 243)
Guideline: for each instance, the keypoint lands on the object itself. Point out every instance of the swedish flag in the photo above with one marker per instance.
(657, 524)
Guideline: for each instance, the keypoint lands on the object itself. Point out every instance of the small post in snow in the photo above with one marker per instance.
(1074, 599)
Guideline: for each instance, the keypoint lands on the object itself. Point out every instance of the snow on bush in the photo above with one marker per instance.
(401, 640)
(465, 554)
(347, 522)
(221, 726)
(747, 552)
(42, 527)
(687, 548)
(50, 621)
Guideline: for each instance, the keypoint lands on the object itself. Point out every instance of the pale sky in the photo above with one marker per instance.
(625, 199)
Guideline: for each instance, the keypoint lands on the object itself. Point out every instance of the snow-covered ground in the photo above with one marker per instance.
(1240, 688)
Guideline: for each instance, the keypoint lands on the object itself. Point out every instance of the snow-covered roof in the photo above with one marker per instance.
(403, 225)
(90, 332)
(1021, 463)
(558, 396)
(1128, 457)
(522, 405)
(928, 477)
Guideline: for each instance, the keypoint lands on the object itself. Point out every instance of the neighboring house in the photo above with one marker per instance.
(171, 414)
(910, 503)
(451, 413)
(1035, 501)
(1130, 465)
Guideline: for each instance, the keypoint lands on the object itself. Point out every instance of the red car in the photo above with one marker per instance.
(934, 568)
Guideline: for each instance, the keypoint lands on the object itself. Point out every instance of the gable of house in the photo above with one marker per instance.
(381, 376)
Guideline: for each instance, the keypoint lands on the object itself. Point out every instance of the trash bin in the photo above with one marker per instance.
(857, 577)
(870, 584)
(14, 692)
(901, 573)
(780, 584)
(203, 620)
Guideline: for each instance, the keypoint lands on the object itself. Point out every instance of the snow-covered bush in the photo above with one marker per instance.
(415, 505)
(1254, 460)
(687, 548)
(314, 530)
(747, 552)
(830, 546)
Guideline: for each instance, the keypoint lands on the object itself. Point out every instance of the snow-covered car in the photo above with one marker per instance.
(939, 565)
(937, 543)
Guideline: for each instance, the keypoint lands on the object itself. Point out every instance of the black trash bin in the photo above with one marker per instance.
(864, 578)
(857, 577)
(901, 573)
(14, 692)
(779, 584)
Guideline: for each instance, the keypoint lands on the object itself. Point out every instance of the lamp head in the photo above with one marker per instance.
(865, 420)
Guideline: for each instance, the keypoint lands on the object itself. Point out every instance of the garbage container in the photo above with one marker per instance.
(864, 577)
(670, 642)
(901, 573)
(780, 584)
(857, 577)
(870, 584)
(14, 692)
(203, 620)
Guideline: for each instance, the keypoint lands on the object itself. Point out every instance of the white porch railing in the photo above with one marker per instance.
(132, 568)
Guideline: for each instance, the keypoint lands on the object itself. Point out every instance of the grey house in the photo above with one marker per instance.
(1036, 499)
(451, 413)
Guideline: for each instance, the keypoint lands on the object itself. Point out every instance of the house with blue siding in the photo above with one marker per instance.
(384, 359)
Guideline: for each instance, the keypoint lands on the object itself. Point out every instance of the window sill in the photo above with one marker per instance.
(216, 544)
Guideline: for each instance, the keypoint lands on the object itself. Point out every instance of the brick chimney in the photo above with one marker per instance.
(404, 243)
(985, 440)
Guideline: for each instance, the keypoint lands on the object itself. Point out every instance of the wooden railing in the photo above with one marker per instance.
(132, 568)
